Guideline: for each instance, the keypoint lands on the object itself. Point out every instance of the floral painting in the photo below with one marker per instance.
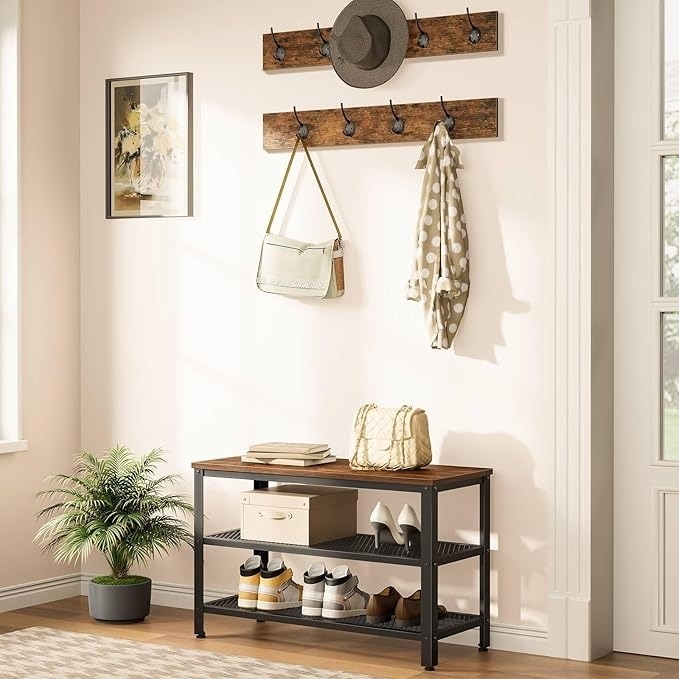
(149, 146)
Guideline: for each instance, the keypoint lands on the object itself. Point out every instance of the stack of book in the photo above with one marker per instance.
(298, 454)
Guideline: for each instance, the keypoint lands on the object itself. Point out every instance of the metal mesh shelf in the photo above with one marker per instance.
(452, 623)
(360, 547)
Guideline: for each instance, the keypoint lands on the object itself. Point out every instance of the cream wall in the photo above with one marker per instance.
(50, 281)
(180, 350)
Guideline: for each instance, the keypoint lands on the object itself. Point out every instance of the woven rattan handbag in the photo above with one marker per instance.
(390, 438)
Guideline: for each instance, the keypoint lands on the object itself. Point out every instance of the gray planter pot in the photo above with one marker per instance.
(120, 603)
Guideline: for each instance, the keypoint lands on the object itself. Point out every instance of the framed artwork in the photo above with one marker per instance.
(149, 146)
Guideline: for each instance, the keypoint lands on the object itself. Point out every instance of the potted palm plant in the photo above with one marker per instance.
(115, 504)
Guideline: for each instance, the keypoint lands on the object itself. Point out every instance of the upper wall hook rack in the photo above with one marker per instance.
(423, 37)
(303, 130)
(279, 53)
(448, 121)
(324, 51)
(431, 36)
(475, 33)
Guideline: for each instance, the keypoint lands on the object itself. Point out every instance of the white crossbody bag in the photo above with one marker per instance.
(298, 269)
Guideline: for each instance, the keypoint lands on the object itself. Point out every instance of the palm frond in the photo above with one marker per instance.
(114, 504)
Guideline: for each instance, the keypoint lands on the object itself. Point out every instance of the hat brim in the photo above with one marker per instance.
(394, 17)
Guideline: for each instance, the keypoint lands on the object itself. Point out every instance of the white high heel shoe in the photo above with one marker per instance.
(386, 531)
(410, 526)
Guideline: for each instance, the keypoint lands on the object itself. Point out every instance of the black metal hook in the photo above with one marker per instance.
(475, 33)
(279, 53)
(325, 45)
(303, 131)
(448, 121)
(423, 39)
(350, 127)
(399, 124)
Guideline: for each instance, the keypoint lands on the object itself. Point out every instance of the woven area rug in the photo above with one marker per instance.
(43, 653)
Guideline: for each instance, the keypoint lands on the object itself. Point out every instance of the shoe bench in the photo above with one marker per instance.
(428, 482)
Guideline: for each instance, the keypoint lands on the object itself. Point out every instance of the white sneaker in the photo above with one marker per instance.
(342, 597)
(313, 589)
(277, 590)
(248, 585)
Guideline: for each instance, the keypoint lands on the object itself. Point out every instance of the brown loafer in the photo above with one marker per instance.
(407, 612)
(381, 606)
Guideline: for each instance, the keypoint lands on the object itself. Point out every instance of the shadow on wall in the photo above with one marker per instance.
(519, 526)
(490, 290)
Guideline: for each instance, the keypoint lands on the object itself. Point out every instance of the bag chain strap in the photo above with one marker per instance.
(361, 433)
(318, 181)
(403, 411)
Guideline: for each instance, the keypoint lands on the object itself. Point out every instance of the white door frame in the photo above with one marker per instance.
(646, 484)
(581, 546)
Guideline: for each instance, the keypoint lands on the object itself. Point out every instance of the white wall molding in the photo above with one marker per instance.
(569, 151)
(10, 238)
(573, 113)
(569, 11)
(39, 592)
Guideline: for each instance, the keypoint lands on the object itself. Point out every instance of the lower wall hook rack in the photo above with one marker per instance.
(465, 118)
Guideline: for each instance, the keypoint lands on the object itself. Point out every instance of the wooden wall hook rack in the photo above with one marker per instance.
(446, 35)
(472, 119)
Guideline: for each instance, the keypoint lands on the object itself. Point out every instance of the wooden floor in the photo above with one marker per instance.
(330, 649)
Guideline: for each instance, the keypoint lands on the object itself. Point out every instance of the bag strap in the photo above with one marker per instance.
(403, 412)
(361, 418)
(318, 181)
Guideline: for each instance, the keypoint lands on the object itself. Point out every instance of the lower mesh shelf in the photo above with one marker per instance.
(452, 623)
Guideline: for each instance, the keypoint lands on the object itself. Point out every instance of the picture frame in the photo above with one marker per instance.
(149, 146)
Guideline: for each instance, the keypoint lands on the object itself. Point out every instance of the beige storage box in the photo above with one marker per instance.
(297, 514)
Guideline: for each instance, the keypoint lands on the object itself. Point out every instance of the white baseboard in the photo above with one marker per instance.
(570, 628)
(503, 637)
(39, 592)
(166, 593)
(517, 638)
(557, 604)
(579, 629)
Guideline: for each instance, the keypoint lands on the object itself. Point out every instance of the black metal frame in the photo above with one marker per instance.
(110, 83)
(432, 555)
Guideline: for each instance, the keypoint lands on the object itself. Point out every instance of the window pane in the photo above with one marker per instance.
(671, 69)
(670, 359)
(671, 225)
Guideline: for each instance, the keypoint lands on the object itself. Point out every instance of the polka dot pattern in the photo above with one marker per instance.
(440, 278)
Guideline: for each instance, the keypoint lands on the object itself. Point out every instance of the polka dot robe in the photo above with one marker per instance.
(440, 276)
